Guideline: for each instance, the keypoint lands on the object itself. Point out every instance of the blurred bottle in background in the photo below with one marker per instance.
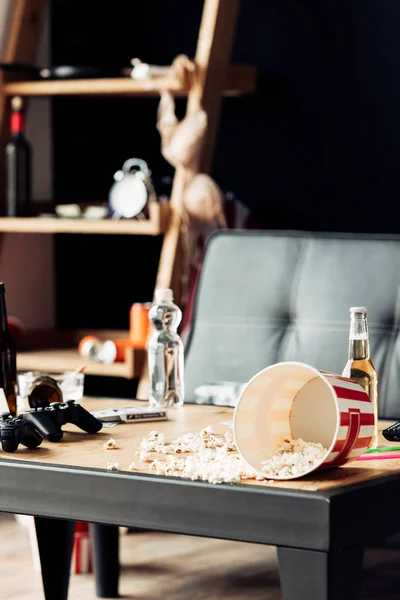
(18, 160)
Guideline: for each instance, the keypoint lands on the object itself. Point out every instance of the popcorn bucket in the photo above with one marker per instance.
(291, 400)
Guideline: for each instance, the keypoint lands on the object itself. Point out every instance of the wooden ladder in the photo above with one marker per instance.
(213, 53)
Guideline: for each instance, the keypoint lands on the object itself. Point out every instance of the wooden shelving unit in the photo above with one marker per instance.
(240, 79)
(215, 79)
(157, 224)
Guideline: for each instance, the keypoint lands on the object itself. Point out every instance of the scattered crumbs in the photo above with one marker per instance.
(111, 444)
(132, 467)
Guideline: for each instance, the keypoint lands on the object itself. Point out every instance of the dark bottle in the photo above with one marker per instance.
(8, 359)
(18, 165)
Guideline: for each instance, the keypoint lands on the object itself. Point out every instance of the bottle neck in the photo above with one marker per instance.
(359, 338)
(3, 313)
(17, 123)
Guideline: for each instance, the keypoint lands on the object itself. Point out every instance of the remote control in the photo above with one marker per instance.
(48, 420)
(15, 431)
(131, 414)
(392, 433)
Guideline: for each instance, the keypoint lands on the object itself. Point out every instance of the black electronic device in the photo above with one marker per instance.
(392, 433)
(17, 430)
(48, 420)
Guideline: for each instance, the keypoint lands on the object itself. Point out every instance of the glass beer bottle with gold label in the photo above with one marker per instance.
(359, 366)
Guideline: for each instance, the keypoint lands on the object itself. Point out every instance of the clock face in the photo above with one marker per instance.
(128, 196)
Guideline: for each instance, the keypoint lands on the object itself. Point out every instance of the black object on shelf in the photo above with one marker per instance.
(28, 71)
(80, 72)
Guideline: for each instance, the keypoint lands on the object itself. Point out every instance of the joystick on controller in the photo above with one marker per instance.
(15, 431)
(49, 420)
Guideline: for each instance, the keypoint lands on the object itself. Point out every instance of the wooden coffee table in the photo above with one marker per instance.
(319, 524)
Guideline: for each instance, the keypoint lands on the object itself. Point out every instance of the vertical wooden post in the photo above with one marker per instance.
(213, 54)
(214, 47)
(212, 60)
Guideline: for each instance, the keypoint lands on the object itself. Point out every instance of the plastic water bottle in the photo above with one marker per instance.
(165, 352)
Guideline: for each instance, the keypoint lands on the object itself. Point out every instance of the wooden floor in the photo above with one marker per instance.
(174, 567)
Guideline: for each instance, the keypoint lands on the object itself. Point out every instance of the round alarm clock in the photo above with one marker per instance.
(131, 190)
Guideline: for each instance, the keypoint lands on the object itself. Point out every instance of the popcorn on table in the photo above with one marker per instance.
(112, 466)
(212, 458)
(111, 444)
(293, 457)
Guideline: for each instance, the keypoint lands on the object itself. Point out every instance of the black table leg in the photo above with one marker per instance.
(310, 575)
(105, 543)
(55, 541)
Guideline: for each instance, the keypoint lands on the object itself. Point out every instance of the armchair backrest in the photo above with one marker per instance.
(266, 297)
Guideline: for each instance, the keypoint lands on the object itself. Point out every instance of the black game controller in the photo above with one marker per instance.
(49, 419)
(17, 430)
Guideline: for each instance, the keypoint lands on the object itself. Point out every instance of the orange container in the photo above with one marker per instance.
(139, 324)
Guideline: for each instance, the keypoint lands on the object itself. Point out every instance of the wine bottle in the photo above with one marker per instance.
(18, 165)
(8, 359)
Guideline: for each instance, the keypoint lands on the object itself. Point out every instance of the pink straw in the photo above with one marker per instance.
(378, 457)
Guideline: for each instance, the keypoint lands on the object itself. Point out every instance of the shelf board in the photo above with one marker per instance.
(156, 225)
(241, 79)
(64, 359)
(54, 351)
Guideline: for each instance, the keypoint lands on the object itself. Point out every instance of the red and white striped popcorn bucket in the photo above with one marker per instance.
(291, 400)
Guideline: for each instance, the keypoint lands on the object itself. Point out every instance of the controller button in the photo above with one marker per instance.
(55, 404)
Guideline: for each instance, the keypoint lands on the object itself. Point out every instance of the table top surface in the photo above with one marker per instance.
(79, 449)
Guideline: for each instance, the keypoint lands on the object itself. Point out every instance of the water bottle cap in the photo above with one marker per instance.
(359, 309)
(164, 296)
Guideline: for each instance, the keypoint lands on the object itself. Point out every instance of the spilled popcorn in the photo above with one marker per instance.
(205, 456)
(111, 444)
(112, 466)
(293, 458)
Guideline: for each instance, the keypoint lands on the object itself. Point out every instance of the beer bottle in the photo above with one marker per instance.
(8, 361)
(359, 366)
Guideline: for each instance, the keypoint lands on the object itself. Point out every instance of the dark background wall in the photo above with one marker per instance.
(318, 146)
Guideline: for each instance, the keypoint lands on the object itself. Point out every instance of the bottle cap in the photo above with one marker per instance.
(164, 296)
(359, 309)
(16, 103)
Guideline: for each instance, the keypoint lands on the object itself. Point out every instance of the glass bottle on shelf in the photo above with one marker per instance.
(17, 165)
